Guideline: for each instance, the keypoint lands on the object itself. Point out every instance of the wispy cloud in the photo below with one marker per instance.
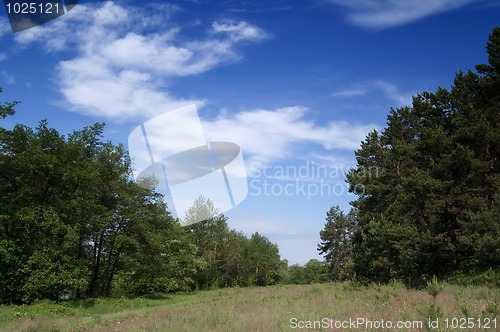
(3, 56)
(349, 93)
(268, 136)
(388, 90)
(7, 78)
(239, 31)
(394, 93)
(4, 26)
(380, 14)
(122, 70)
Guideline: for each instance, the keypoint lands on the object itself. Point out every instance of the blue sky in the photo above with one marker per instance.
(296, 84)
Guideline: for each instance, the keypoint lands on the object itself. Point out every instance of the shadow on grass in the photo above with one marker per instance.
(89, 303)
(157, 297)
(83, 303)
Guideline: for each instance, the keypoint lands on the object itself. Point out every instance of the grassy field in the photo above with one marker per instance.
(278, 308)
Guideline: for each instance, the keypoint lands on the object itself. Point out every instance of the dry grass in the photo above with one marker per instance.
(272, 308)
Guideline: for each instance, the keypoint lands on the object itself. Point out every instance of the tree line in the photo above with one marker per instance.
(74, 224)
(428, 187)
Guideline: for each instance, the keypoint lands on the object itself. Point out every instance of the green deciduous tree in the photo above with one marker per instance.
(73, 224)
(262, 261)
(230, 258)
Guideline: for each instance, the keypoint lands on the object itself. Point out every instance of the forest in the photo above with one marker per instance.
(427, 186)
(74, 224)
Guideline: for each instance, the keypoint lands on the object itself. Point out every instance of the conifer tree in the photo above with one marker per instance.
(428, 184)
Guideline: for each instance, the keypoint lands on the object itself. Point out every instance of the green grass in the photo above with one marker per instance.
(255, 309)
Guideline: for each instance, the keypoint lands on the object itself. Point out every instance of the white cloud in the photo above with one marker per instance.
(94, 89)
(4, 26)
(3, 56)
(380, 14)
(239, 31)
(9, 79)
(269, 135)
(349, 93)
(389, 90)
(393, 93)
(122, 69)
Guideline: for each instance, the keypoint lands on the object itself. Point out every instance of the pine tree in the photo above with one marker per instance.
(336, 242)
(427, 185)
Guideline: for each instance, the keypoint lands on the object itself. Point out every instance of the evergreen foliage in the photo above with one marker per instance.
(428, 185)
(336, 242)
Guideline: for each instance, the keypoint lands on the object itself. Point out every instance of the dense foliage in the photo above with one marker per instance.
(313, 272)
(73, 224)
(336, 242)
(428, 185)
(231, 259)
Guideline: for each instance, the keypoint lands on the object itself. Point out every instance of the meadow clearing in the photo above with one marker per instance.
(320, 307)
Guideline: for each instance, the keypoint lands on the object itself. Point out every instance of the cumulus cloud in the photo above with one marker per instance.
(380, 14)
(122, 69)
